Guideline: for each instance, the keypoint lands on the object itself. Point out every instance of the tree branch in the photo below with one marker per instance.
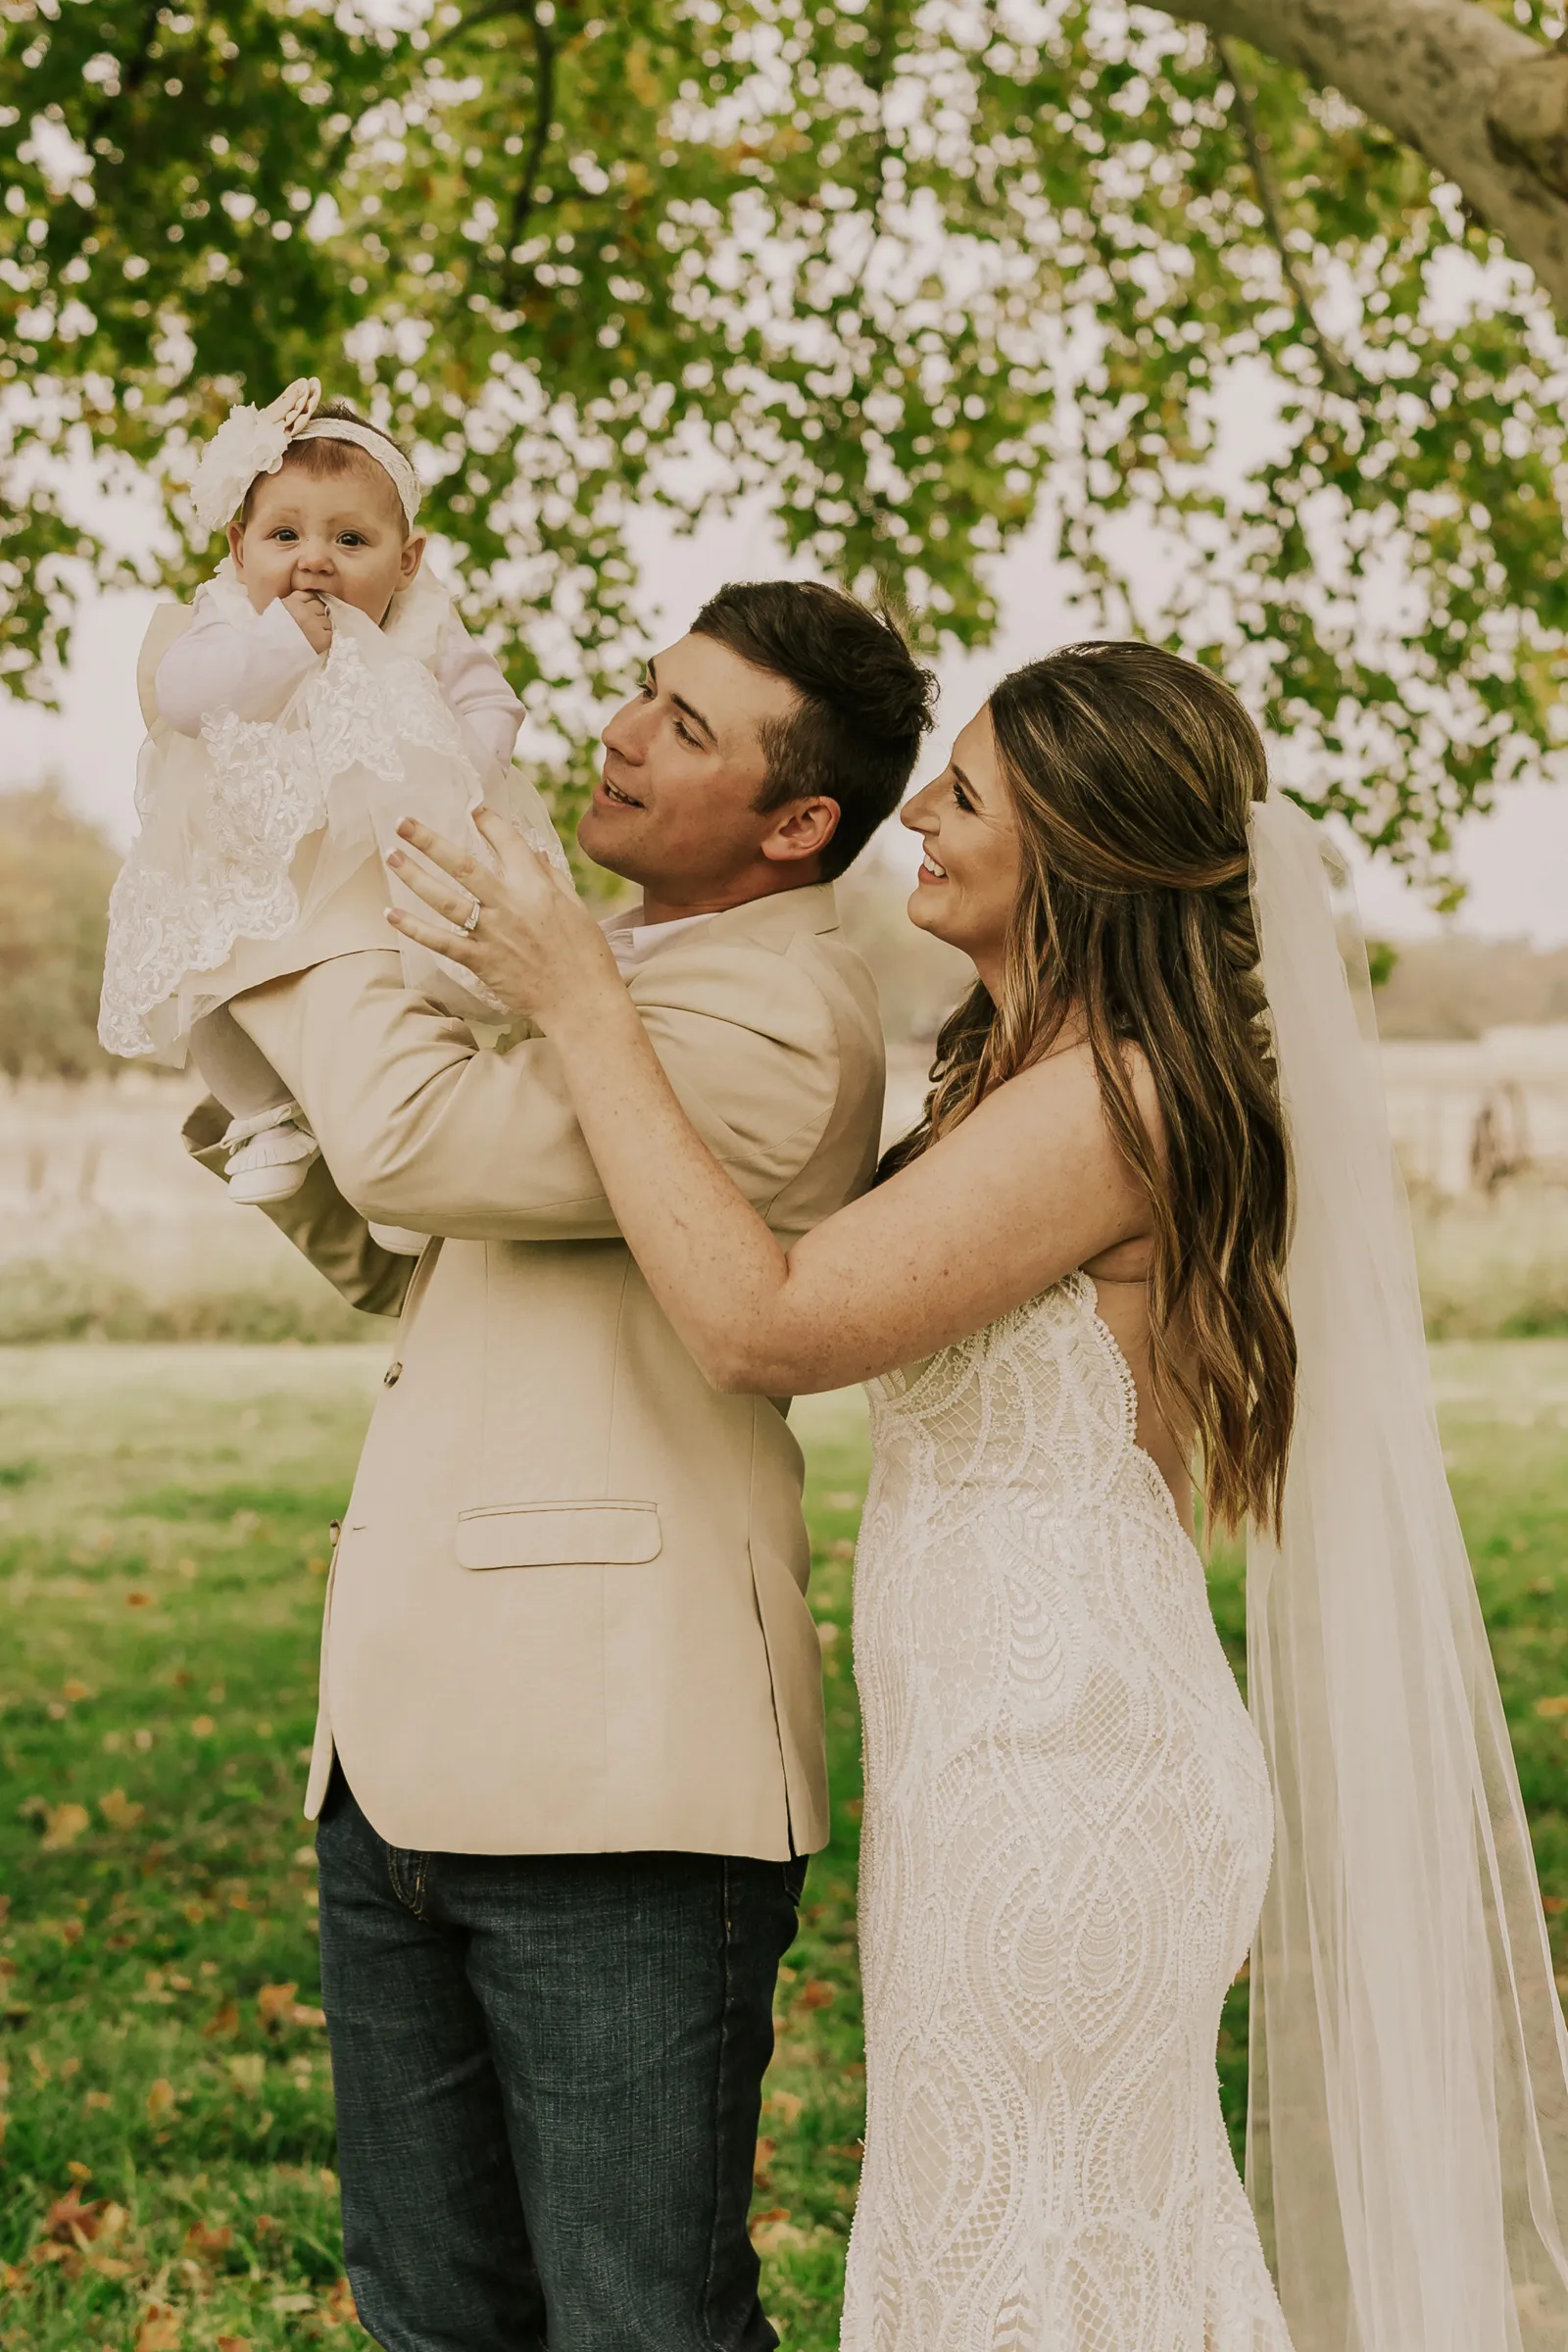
(1486, 104)
(544, 107)
(1337, 370)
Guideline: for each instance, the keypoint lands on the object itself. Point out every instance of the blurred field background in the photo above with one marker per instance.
(108, 1233)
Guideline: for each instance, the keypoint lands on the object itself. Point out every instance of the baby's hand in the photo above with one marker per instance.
(313, 616)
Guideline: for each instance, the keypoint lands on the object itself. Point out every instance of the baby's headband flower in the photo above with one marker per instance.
(251, 442)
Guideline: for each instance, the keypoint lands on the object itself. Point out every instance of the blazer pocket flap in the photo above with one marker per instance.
(558, 1535)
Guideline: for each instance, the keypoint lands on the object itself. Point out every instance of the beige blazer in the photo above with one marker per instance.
(567, 1610)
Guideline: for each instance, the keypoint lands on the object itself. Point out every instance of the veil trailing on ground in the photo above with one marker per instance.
(1408, 2125)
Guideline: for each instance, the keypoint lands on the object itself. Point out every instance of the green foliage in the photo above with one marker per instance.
(1382, 960)
(55, 877)
(915, 273)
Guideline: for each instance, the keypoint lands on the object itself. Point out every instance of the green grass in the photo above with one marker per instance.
(166, 2178)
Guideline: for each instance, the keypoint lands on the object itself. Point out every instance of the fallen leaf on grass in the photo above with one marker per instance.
(302, 2014)
(161, 2331)
(70, 2222)
(1551, 1904)
(246, 2073)
(785, 2105)
(98, 2098)
(207, 2242)
(287, 2303)
(74, 1689)
(203, 1727)
(161, 2099)
(273, 2002)
(767, 2150)
(233, 2343)
(69, 2258)
(121, 1811)
(1552, 1707)
(138, 1601)
(340, 2309)
(815, 1994)
(64, 1824)
(223, 2021)
(772, 2233)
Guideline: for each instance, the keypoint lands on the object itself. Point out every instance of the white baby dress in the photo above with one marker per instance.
(270, 790)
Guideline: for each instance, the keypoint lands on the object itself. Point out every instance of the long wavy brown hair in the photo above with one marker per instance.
(1132, 772)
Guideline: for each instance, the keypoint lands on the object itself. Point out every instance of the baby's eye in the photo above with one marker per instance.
(352, 538)
(285, 530)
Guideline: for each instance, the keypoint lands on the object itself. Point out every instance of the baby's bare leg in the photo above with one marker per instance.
(236, 1071)
(270, 1145)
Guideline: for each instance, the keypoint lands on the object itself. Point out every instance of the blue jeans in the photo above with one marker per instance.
(548, 2072)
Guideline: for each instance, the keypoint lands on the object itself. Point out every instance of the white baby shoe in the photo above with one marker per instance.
(399, 1241)
(270, 1154)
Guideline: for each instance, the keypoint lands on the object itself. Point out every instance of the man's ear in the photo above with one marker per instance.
(804, 830)
(411, 557)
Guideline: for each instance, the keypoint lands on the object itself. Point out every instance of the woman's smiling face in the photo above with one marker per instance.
(973, 865)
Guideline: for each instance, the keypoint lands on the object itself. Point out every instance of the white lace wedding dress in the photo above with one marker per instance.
(1067, 1834)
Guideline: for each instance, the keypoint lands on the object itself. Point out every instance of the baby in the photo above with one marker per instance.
(320, 688)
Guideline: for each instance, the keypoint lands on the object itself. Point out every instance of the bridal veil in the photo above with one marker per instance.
(1409, 2124)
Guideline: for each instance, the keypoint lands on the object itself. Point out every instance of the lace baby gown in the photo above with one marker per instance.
(263, 841)
(1067, 1834)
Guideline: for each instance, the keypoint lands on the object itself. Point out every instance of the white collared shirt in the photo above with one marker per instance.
(631, 942)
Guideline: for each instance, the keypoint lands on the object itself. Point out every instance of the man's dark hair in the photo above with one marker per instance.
(865, 702)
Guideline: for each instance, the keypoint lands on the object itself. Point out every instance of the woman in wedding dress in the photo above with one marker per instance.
(1147, 1230)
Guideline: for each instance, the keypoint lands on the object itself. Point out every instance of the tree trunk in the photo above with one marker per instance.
(1484, 104)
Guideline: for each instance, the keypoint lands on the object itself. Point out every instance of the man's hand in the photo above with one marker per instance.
(523, 931)
(314, 615)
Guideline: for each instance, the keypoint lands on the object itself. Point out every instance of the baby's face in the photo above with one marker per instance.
(340, 534)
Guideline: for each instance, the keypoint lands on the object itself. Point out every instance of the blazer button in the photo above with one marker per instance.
(391, 1376)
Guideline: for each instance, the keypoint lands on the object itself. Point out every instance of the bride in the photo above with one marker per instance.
(1149, 1219)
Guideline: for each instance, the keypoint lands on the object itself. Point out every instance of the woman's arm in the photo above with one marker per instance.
(1027, 1189)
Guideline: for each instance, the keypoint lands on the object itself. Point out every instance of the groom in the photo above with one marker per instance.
(569, 1759)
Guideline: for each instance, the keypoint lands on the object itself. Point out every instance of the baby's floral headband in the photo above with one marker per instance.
(251, 442)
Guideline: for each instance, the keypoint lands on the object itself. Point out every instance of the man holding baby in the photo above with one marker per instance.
(569, 1762)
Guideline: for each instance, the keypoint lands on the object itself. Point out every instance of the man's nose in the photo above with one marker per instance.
(621, 733)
